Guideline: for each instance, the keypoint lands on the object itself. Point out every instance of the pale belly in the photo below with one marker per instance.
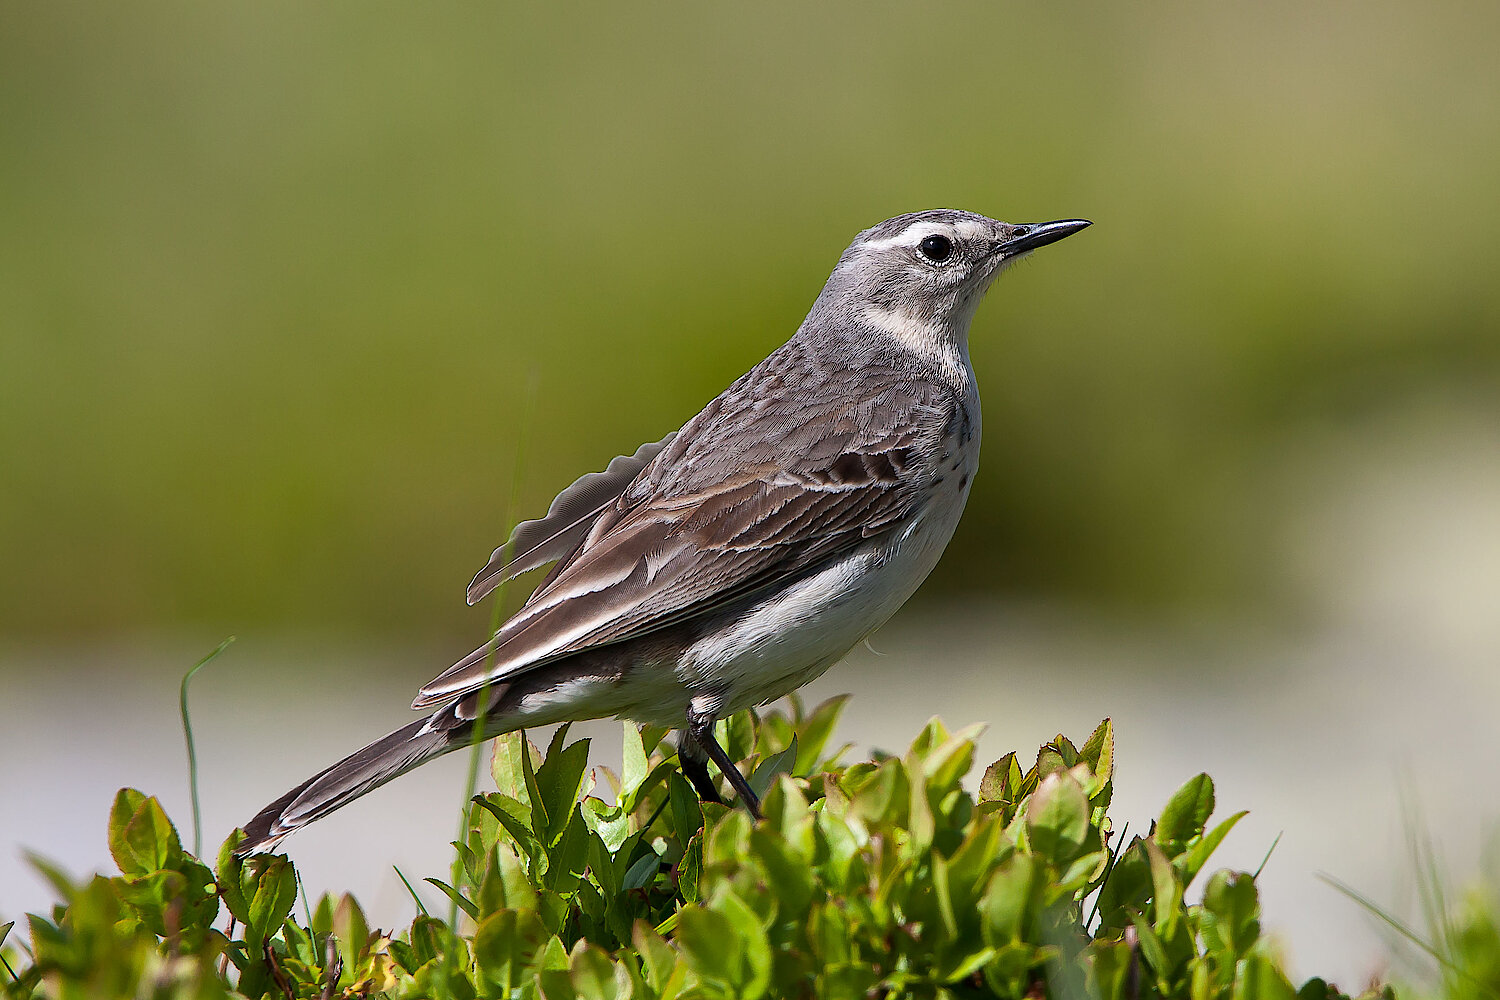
(789, 639)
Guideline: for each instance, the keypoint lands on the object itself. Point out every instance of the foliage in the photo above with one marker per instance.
(883, 878)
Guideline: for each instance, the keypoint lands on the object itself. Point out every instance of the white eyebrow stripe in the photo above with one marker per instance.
(911, 235)
(964, 229)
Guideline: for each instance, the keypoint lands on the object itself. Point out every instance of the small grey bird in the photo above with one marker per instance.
(739, 557)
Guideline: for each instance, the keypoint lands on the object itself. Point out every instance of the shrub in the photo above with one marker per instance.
(883, 878)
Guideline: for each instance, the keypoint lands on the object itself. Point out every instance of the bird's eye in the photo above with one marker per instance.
(936, 248)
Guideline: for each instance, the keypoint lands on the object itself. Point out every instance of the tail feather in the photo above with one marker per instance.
(362, 771)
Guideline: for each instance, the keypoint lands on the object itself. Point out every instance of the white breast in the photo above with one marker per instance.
(795, 635)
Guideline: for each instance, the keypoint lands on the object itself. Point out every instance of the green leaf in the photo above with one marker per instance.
(505, 944)
(726, 946)
(539, 819)
(1011, 900)
(515, 817)
(946, 763)
(970, 865)
(875, 791)
(275, 893)
(785, 810)
(1166, 901)
(1000, 779)
(756, 949)
(837, 848)
(785, 869)
(814, 732)
(1185, 815)
(1258, 979)
(1152, 949)
(727, 839)
(513, 890)
(141, 838)
(1232, 903)
(427, 936)
(570, 855)
(690, 870)
(560, 781)
(322, 915)
(506, 763)
(1113, 964)
(459, 899)
(1191, 862)
(641, 872)
(1057, 819)
(556, 984)
(921, 824)
(658, 958)
(687, 813)
(652, 736)
(553, 956)
(235, 886)
(1049, 760)
(1127, 886)
(54, 876)
(1099, 751)
(738, 738)
(152, 896)
(351, 931)
(300, 944)
(404, 955)
(772, 767)
(611, 823)
(635, 765)
(1316, 989)
(709, 944)
(933, 734)
(595, 976)
(942, 897)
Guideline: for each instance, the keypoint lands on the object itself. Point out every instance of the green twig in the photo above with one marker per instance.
(1269, 851)
(477, 736)
(414, 897)
(192, 754)
(4, 933)
(1109, 869)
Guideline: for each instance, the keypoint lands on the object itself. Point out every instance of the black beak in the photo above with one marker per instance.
(1024, 239)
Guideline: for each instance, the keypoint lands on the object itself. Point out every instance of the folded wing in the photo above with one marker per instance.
(673, 546)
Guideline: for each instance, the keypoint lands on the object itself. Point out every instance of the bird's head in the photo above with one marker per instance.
(923, 274)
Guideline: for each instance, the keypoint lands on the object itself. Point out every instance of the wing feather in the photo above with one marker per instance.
(697, 530)
(535, 543)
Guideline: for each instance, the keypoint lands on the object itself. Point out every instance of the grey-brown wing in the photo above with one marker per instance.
(663, 553)
(572, 513)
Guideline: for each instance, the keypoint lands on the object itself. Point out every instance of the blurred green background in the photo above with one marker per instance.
(294, 297)
(291, 295)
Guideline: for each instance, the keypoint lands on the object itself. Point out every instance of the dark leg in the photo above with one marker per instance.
(695, 768)
(701, 729)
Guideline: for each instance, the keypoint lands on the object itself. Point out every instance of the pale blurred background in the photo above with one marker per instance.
(293, 300)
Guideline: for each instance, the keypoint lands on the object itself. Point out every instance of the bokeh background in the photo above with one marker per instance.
(300, 307)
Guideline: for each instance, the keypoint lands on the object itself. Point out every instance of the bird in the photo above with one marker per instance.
(737, 558)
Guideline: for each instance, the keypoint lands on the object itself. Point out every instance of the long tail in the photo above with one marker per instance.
(362, 771)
